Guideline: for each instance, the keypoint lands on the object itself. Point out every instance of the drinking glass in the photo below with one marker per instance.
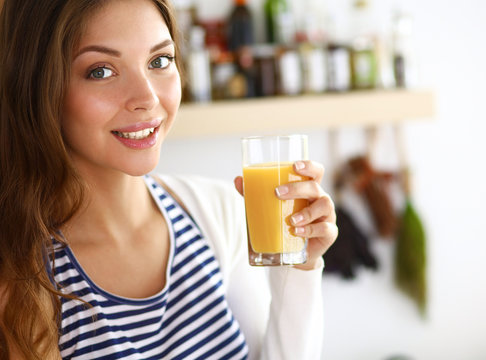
(267, 163)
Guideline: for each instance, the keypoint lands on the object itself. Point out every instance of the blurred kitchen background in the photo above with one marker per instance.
(405, 82)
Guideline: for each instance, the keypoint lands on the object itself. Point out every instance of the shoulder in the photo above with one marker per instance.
(202, 194)
(199, 185)
(218, 210)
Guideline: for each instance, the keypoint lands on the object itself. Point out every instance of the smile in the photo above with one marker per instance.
(136, 135)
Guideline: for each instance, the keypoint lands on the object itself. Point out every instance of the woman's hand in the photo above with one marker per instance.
(317, 222)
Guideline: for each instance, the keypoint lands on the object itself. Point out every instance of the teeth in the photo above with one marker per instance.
(137, 135)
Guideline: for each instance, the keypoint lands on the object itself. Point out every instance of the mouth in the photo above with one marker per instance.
(135, 135)
(139, 131)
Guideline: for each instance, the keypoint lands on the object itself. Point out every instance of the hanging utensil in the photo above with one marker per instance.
(410, 251)
(351, 248)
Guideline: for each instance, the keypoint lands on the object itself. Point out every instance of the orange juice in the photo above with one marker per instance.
(268, 217)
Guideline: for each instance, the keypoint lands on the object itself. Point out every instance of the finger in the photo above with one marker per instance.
(312, 169)
(239, 184)
(318, 246)
(324, 229)
(322, 208)
(309, 190)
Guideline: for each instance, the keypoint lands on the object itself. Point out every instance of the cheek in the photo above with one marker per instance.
(84, 109)
(171, 93)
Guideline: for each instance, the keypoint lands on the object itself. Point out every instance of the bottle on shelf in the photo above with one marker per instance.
(223, 70)
(240, 26)
(266, 70)
(198, 67)
(289, 72)
(338, 67)
(338, 64)
(279, 22)
(245, 72)
(314, 67)
(311, 21)
(311, 36)
(402, 33)
(364, 71)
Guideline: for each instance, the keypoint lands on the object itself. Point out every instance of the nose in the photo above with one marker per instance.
(141, 93)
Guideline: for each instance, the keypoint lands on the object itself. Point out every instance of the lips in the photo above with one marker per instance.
(133, 128)
(139, 136)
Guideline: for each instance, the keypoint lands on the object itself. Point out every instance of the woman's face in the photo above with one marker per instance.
(124, 90)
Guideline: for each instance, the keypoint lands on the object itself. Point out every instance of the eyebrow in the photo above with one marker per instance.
(116, 53)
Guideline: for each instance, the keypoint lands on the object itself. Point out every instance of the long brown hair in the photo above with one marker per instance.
(40, 189)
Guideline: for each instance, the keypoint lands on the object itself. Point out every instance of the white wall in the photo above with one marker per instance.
(368, 318)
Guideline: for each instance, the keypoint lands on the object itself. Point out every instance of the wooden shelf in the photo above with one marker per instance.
(287, 114)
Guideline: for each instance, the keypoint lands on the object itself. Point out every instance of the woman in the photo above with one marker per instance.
(98, 260)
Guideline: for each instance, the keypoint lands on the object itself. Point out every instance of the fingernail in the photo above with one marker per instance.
(297, 218)
(299, 230)
(282, 190)
(299, 165)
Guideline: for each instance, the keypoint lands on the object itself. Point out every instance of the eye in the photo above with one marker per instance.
(100, 73)
(161, 62)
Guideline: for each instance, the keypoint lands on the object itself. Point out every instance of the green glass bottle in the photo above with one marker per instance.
(364, 71)
(279, 22)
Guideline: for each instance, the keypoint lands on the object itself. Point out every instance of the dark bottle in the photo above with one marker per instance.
(245, 65)
(240, 26)
(266, 70)
(402, 49)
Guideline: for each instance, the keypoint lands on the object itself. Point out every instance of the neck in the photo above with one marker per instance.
(117, 205)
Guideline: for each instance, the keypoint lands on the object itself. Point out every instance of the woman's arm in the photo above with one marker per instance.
(280, 321)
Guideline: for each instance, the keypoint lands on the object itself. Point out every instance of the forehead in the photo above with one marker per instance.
(121, 22)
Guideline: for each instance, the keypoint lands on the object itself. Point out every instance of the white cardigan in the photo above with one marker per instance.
(281, 321)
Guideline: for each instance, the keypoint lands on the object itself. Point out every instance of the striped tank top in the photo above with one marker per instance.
(189, 319)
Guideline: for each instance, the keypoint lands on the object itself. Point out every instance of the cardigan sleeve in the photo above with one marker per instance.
(279, 309)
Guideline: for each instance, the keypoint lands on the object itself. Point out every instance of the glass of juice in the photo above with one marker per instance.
(267, 163)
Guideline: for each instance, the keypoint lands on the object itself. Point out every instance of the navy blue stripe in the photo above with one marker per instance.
(182, 247)
(170, 207)
(191, 303)
(100, 346)
(178, 218)
(237, 350)
(192, 255)
(193, 333)
(182, 325)
(82, 292)
(220, 346)
(119, 355)
(114, 328)
(114, 316)
(192, 288)
(60, 253)
(77, 279)
(184, 230)
(208, 338)
(63, 268)
(75, 310)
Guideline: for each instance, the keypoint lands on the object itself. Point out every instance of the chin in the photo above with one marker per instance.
(139, 168)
